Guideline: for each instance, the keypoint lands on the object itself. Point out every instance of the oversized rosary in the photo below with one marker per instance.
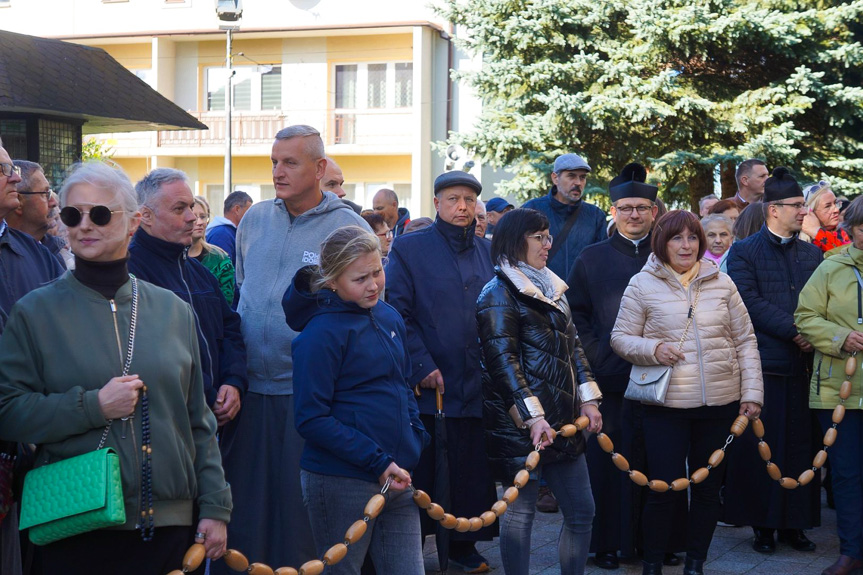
(238, 562)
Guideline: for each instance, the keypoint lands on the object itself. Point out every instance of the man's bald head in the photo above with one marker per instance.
(386, 203)
(333, 179)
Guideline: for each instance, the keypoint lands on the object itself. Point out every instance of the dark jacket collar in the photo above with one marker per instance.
(159, 247)
(627, 248)
(301, 305)
(457, 238)
(774, 240)
(559, 206)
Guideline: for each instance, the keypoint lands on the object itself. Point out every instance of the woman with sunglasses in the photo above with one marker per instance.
(821, 224)
(99, 352)
(535, 379)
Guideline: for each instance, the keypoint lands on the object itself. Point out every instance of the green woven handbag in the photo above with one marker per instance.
(73, 496)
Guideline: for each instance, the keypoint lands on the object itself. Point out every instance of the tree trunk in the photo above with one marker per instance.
(700, 185)
(727, 180)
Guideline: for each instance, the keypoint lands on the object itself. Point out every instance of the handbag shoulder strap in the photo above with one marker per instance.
(564, 233)
(690, 317)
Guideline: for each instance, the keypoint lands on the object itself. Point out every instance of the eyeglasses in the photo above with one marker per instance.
(99, 215)
(387, 234)
(9, 169)
(627, 210)
(46, 194)
(815, 188)
(544, 240)
(796, 205)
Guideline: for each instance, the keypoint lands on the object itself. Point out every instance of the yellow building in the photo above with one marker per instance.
(373, 77)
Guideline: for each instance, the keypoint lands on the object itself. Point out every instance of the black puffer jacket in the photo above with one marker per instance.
(532, 359)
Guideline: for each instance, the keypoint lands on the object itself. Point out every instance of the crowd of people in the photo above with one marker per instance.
(261, 375)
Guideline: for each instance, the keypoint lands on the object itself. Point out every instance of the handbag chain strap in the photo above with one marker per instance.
(129, 349)
(691, 316)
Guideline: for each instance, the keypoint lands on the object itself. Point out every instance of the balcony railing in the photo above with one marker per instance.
(384, 127)
(247, 129)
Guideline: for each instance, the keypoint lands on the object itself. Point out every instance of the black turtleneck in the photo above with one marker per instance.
(457, 237)
(103, 277)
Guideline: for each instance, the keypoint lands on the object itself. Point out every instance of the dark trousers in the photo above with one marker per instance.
(671, 437)
(111, 552)
(846, 473)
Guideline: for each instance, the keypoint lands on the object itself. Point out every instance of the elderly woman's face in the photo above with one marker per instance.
(827, 210)
(719, 238)
(682, 251)
(99, 243)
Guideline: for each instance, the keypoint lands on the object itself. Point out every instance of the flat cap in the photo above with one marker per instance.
(456, 178)
(570, 162)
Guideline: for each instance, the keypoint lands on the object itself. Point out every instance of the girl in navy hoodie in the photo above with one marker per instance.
(353, 405)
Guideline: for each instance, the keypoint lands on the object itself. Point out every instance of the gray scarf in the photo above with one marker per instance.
(540, 278)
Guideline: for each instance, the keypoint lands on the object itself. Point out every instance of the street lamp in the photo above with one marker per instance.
(228, 11)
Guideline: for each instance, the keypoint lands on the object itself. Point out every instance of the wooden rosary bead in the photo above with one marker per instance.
(845, 390)
(355, 532)
(830, 437)
(764, 450)
(605, 443)
(521, 478)
(335, 553)
(582, 422)
(820, 459)
(532, 460)
(638, 478)
(806, 477)
(658, 485)
(435, 511)
(194, 557)
(475, 524)
(838, 413)
(850, 366)
(260, 569)
(510, 495)
(699, 475)
(773, 471)
(788, 483)
(716, 458)
(499, 507)
(286, 571)
(448, 521)
(681, 484)
(739, 425)
(313, 567)
(488, 518)
(757, 428)
(374, 506)
(422, 499)
(236, 560)
(462, 524)
(620, 462)
(568, 430)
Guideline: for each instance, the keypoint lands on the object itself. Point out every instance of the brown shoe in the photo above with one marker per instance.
(545, 501)
(844, 566)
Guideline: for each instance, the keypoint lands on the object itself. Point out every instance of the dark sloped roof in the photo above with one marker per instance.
(43, 76)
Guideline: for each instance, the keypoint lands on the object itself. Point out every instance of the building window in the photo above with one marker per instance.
(374, 86)
(59, 148)
(146, 74)
(254, 88)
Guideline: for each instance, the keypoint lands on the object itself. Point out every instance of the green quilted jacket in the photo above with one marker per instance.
(219, 263)
(60, 347)
(826, 313)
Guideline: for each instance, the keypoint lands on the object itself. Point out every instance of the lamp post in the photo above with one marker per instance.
(228, 11)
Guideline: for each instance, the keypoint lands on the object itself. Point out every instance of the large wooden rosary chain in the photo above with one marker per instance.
(238, 562)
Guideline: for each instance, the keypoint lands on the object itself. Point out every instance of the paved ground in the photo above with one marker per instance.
(730, 552)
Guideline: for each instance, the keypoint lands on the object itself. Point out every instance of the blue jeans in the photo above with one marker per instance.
(846, 473)
(570, 484)
(392, 538)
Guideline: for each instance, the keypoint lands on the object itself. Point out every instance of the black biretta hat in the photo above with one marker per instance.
(630, 184)
(781, 185)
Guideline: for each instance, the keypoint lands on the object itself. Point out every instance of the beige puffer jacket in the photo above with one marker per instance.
(721, 362)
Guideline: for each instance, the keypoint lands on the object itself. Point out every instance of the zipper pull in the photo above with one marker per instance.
(113, 306)
(125, 421)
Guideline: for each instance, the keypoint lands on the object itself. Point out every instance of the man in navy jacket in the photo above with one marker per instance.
(434, 277)
(157, 254)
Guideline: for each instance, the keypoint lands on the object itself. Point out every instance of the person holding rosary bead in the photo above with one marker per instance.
(353, 405)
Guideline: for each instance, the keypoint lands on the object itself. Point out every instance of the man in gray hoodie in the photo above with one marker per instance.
(262, 460)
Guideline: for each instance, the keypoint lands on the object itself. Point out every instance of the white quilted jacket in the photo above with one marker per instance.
(721, 362)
